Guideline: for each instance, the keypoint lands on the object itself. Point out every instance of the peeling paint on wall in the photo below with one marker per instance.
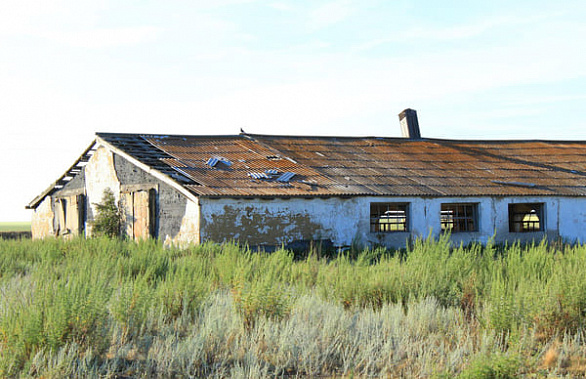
(268, 224)
(189, 230)
(42, 220)
(178, 220)
(100, 175)
(346, 221)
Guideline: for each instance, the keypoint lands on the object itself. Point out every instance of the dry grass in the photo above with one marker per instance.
(108, 308)
(551, 356)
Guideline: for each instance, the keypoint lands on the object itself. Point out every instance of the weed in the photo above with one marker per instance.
(114, 308)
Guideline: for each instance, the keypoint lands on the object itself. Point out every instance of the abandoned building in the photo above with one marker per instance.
(270, 190)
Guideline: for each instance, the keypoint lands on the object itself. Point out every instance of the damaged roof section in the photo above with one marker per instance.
(264, 165)
(140, 148)
(433, 167)
(75, 169)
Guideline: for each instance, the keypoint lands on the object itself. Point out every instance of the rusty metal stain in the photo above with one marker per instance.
(329, 166)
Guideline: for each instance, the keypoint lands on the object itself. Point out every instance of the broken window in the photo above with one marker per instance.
(389, 217)
(526, 217)
(139, 213)
(70, 215)
(459, 217)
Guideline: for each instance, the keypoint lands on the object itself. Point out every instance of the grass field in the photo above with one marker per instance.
(15, 226)
(110, 308)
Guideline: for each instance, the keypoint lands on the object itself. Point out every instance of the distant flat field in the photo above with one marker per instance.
(15, 226)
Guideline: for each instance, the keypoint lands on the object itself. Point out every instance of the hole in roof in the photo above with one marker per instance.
(213, 161)
(272, 171)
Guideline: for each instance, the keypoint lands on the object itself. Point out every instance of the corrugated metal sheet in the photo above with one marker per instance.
(344, 166)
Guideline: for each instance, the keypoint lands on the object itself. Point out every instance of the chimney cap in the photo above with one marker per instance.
(409, 124)
(406, 111)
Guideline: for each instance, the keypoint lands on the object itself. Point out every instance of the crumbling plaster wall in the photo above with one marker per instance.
(282, 220)
(177, 221)
(45, 220)
(42, 219)
(347, 220)
(493, 219)
(177, 217)
(278, 221)
(99, 176)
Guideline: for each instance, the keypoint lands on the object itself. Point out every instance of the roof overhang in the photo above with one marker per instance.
(71, 172)
(155, 173)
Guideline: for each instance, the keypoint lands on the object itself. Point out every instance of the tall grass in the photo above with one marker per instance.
(103, 307)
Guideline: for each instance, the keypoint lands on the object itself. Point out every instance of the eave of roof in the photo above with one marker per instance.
(350, 166)
(69, 174)
(374, 166)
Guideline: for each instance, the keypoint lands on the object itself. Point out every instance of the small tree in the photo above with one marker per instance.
(107, 221)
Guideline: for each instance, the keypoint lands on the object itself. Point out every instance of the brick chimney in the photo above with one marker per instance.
(409, 124)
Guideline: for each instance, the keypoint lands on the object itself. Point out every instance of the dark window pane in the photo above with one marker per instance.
(388, 217)
(459, 217)
(526, 217)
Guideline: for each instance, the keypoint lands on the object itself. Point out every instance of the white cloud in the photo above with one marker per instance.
(206, 82)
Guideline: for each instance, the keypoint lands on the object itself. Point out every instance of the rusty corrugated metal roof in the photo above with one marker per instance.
(352, 166)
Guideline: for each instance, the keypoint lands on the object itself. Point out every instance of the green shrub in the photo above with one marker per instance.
(495, 366)
(115, 308)
(108, 218)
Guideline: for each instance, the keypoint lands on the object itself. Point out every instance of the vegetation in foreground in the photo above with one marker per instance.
(105, 307)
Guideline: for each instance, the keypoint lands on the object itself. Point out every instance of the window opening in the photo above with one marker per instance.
(459, 217)
(388, 217)
(526, 217)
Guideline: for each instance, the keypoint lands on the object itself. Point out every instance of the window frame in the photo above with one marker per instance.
(462, 220)
(378, 213)
(539, 209)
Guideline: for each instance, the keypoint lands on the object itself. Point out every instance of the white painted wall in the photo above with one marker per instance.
(572, 219)
(99, 175)
(347, 220)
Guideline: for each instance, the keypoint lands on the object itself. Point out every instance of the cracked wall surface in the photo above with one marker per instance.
(179, 220)
(346, 221)
(150, 207)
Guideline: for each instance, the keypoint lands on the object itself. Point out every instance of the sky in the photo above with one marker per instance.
(472, 69)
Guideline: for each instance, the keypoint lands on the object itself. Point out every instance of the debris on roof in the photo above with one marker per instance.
(271, 172)
(520, 184)
(258, 175)
(370, 166)
(286, 177)
(212, 162)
